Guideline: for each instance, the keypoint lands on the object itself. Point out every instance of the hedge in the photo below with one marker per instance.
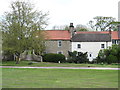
(51, 57)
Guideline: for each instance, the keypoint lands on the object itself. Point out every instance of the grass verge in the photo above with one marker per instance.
(59, 78)
(46, 64)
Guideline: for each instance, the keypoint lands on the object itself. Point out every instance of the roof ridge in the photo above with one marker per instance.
(55, 30)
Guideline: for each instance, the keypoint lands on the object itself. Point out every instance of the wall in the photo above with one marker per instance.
(52, 47)
(92, 48)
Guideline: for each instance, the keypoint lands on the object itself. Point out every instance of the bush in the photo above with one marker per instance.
(8, 56)
(110, 55)
(51, 57)
(111, 59)
(74, 57)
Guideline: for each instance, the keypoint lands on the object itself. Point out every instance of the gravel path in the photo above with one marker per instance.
(99, 68)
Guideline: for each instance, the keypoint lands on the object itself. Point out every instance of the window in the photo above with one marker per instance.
(59, 52)
(59, 43)
(116, 41)
(44, 52)
(102, 45)
(78, 45)
(90, 55)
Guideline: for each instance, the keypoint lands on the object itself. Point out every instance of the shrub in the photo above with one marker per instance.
(8, 56)
(111, 59)
(75, 57)
(110, 55)
(51, 57)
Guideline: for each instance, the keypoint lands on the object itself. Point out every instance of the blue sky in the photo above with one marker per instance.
(62, 12)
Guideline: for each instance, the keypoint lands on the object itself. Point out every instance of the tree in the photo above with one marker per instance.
(78, 57)
(82, 57)
(19, 27)
(62, 27)
(100, 23)
(80, 27)
(110, 55)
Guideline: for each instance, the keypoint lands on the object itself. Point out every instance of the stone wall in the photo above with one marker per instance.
(52, 47)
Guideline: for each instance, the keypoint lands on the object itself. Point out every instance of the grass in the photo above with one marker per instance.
(45, 64)
(59, 78)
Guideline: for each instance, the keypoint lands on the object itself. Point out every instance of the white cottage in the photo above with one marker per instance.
(91, 43)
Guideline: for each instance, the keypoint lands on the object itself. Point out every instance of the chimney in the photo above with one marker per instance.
(71, 29)
(110, 30)
(71, 25)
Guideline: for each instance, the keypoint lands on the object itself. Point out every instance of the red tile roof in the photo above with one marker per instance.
(65, 35)
(57, 35)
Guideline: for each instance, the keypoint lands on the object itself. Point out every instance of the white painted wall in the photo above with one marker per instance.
(92, 48)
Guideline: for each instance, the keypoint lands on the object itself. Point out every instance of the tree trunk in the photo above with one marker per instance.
(17, 59)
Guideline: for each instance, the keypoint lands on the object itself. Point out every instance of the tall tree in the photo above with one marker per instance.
(100, 23)
(19, 27)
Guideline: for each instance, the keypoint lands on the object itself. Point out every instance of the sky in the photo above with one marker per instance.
(64, 12)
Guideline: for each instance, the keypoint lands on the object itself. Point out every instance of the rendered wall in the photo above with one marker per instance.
(92, 48)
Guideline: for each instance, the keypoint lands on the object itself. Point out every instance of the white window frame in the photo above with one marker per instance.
(90, 55)
(59, 51)
(60, 43)
(102, 45)
(78, 46)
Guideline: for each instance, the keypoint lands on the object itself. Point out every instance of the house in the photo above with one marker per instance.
(58, 41)
(62, 41)
(94, 41)
(91, 43)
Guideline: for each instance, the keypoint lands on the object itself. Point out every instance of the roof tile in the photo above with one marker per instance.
(65, 34)
(113, 33)
(57, 35)
(91, 37)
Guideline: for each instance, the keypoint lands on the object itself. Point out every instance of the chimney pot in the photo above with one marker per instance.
(71, 25)
(110, 30)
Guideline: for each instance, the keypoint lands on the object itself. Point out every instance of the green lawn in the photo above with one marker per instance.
(45, 64)
(59, 78)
